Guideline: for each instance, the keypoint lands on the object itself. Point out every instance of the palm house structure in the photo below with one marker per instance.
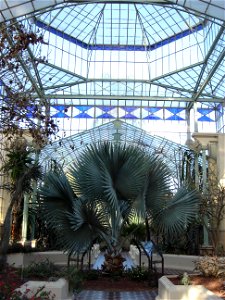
(147, 73)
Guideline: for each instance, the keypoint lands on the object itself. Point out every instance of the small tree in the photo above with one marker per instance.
(213, 207)
(21, 113)
(22, 117)
(22, 171)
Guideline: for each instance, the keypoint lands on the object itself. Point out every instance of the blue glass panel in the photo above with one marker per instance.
(83, 115)
(152, 109)
(30, 111)
(175, 110)
(60, 115)
(105, 116)
(83, 108)
(106, 108)
(129, 108)
(205, 119)
(115, 46)
(205, 111)
(129, 116)
(175, 118)
(152, 117)
(60, 107)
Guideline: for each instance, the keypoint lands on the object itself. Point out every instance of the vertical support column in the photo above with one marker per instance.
(34, 199)
(204, 186)
(188, 125)
(195, 108)
(25, 218)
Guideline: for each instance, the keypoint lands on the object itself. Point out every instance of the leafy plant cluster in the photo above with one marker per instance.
(211, 266)
(41, 270)
(75, 279)
(137, 274)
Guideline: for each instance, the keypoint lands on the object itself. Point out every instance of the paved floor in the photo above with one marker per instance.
(128, 295)
(102, 295)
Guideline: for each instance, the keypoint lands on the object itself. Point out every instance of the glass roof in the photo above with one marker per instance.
(115, 131)
(162, 55)
(13, 9)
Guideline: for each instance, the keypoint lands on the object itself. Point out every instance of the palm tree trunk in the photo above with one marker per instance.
(16, 196)
(148, 234)
(6, 235)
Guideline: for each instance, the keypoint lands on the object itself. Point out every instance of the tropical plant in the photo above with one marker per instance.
(210, 266)
(22, 116)
(105, 189)
(41, 270)
(21, 170)
(213, 211)
(75, 279)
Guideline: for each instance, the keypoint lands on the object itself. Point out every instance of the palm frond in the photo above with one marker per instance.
(78, 230)
(108, 186)
(178, 211)
(157, 185)
(56, 193)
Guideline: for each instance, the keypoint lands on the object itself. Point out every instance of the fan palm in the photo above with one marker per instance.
(22, 171)
(105, 189)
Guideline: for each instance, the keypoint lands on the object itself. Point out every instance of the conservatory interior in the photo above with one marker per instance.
(112, 129)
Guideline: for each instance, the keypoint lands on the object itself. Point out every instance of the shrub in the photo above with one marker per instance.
(75, 279)
(41, 270)
(92, 274)
(137, 274)
(210, 266)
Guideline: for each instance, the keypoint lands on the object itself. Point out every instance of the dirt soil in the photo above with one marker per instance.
(216, 285)
(121, 284)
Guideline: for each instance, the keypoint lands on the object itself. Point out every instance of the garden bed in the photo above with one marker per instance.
(105, 283)
(215, 285)
(200, 287)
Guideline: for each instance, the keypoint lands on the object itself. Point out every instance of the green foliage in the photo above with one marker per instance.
(19, 163)
(137, 274)
(91, 275)
(136, 231)
(108, 187)
(75, 278)
(41, 270)
(185, 279)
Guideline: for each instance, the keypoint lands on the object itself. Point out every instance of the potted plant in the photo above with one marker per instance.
(201, 285)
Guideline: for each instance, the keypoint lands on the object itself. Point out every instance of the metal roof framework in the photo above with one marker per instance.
(115, 131)
(153, 55)
(141, 27)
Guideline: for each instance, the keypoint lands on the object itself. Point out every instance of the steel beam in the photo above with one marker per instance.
(207, 57)
(63, 70)
(211, 73)
(119, 97)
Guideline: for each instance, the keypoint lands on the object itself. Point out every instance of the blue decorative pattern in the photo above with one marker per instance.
(130, 112)
(84, 45)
